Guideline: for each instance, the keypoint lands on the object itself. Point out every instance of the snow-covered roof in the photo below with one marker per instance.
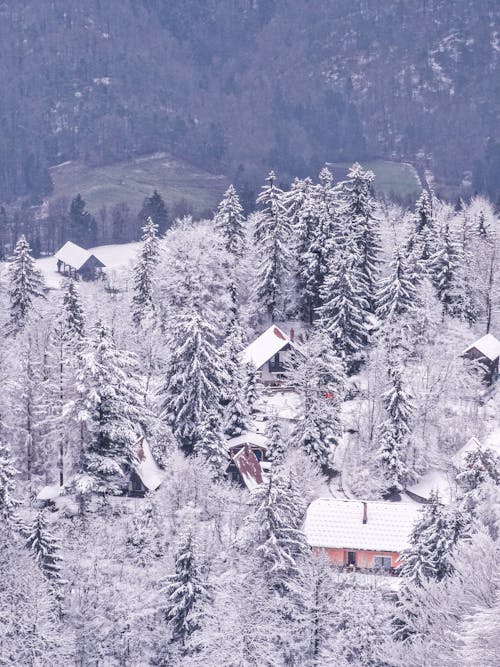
(338, 524)
(471, 445)
(487, 345)
(266, 346)
(145, 465)
(248, 438)
(434, 481)
(249, 467)
(50, 492)
(75, 256)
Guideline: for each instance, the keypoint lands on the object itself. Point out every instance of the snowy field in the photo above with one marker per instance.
(116, 258)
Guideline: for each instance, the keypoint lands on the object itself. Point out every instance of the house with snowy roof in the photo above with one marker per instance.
(269, 352)
(486, 351)
(360, 534)
(145, 474)
(247, 459)
(76, 262)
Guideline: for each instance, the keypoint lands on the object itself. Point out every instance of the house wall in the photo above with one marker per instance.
(364, 558)
(267, 377)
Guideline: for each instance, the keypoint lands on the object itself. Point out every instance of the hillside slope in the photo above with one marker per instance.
(239, 86)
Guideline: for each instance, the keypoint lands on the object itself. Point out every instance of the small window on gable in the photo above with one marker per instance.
(382, 562)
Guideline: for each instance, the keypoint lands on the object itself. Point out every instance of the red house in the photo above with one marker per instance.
(360, 534)
(268, 354)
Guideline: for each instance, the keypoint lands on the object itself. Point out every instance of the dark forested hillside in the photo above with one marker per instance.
(244, 85)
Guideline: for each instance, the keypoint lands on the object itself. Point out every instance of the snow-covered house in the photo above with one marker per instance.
(247, 453)
(486, 350)
(145, 474)
(360, 534)
(269, 352)
(76, 262)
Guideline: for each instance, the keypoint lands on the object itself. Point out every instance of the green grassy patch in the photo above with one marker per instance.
(396, 178)
(133, 180)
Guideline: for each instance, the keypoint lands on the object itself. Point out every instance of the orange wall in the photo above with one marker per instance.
(364, 558)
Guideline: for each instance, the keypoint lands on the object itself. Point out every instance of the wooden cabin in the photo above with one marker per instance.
(144, 474)
(76, 262)
(485, 351)
(357, 534)
(247, 465)
(268, 354)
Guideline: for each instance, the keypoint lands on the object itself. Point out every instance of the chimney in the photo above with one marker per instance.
(292, 335)
(365, 512)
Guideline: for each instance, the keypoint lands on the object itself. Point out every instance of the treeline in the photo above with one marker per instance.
(49, 227)
(84, 81)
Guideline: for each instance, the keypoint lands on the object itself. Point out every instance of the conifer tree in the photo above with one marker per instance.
(443, 266)
(25, 285)
(479, 465)
(308, 235)
(431, 543)
(276, 448)
(422, 242)
(211, 444)
(143, 301)
(73, 318)
(394, 431)
(237, 409)
(230, 223)
(272, 240)
(251, 387)
(154, 208)
(109, 411)
(397, 292)
(183, 592)
(359, 221)
(345, 308)
(279, 542)
(195, 378)
(8, 472)
(319, 432)
(45, 548)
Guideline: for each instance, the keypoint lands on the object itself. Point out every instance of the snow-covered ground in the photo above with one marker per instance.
(115, 257)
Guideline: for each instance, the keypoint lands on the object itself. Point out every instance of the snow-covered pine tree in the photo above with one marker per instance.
(109, 411)
(252, 386)
(211, 443)
(422, 242)
(309, 239)
(345, 308)
(443, 266)
(319, 376)
(143, 300)
(45, 549)
(237, 413)
(394, 431)
(183, 592)
(478, 466)
(272, 241)
(8, 503)
(74, 317)
(195, 377)
(358, 220)
(277, 519)
(276, 447)
(397, 292)
(25, 285)
(431, 543)
(230, 223)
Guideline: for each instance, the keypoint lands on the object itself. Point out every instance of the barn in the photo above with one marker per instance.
(268, 354)
(360, 534)
(486, 351)
(76, 262)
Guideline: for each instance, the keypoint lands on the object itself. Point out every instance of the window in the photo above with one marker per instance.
(382, 562)
(351, 558)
